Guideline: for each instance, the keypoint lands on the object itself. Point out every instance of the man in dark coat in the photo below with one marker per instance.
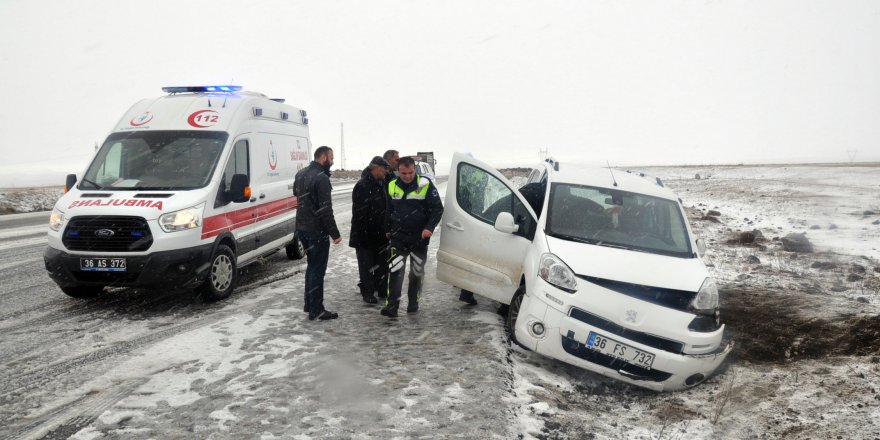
(315, 225)
(393, 158)
(414, 210)
(368, 238)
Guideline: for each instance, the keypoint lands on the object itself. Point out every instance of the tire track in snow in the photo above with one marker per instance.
(69, 419)
(17, 382)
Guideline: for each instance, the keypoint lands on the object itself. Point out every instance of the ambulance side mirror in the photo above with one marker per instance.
(70, 182)
(239, 188)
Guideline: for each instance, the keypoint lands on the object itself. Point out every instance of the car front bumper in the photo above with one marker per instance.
(565, 334)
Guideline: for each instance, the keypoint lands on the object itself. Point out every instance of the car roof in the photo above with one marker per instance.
(601, 177)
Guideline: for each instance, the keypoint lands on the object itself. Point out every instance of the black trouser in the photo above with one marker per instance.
(317, 254)
(397, 267)
(373, 270)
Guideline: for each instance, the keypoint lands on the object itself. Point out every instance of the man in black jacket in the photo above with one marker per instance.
(393, 158)
(369, 199)
(314, 223)
(414, 210)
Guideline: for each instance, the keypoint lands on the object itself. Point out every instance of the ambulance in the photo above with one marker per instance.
(187, 189)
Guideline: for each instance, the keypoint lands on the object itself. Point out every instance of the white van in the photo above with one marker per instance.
(188, 188)
(600, 269)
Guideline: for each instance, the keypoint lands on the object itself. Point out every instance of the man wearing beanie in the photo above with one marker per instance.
(368, 238)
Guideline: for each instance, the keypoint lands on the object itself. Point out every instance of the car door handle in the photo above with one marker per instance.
(456, 226)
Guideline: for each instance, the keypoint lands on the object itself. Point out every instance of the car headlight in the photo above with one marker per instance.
(182, 220)
(56, 220)
(706, 301)
(554, 271)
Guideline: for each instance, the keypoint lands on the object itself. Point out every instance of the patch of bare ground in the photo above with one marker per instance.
(778, 327)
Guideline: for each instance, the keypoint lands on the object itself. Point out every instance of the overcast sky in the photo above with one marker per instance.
(633, 83)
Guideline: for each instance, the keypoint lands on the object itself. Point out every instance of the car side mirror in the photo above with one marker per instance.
(505, 223)
(70, 182)
(239, 188)
(701, 247)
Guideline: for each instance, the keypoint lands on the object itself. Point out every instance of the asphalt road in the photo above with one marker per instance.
(51, 343)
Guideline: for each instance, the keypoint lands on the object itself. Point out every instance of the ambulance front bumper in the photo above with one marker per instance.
(167, 269)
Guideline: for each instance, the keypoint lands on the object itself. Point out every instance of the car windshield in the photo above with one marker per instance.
(155, 160)
(613, 218)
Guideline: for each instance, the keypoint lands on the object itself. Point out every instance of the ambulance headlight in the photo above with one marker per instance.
(56, 220)
(182, 220)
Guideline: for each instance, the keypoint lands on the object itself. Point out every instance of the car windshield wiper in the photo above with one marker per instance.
(98, 187)
(573, 238)
(620, 246)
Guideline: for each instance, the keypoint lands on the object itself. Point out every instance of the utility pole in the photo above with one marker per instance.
(852, 155)
(342, 143)
(543, 154)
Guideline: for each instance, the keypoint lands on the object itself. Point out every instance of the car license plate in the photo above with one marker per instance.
(620, 350)
(102, 264)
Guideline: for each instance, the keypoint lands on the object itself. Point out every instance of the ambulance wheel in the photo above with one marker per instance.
(295, 249)
(221, 275)
(513, 314)
(83, 291)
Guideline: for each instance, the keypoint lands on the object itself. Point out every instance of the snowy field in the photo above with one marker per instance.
(21, 200)
(162, 365)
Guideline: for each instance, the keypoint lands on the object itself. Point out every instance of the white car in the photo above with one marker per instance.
(600, 269)
(425, 169)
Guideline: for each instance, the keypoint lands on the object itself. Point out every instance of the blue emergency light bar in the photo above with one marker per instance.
(201, 89)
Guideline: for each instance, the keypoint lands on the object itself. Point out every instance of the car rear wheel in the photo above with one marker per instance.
(82, 291)
(295, 249)
(222, 275)
(513, 313)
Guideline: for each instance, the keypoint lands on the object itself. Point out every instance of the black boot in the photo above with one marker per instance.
(327, 315)
(412, 304)
(324, 315)
(370, 299)
(390, 310)
(468, 297)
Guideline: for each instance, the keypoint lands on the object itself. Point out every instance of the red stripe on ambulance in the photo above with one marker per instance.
(218, 224)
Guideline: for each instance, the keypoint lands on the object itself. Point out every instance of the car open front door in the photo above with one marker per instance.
(487, 229)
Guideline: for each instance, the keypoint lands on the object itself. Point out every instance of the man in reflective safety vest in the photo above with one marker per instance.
(414, 210)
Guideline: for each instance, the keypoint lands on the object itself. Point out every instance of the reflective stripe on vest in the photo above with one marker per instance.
(419, 193)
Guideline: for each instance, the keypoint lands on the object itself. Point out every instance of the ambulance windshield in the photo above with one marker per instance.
(155, 160)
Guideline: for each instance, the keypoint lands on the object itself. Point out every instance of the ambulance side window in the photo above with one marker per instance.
(239, 163)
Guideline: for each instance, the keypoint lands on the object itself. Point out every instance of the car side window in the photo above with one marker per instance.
(534, 175)
(238, 163)
(484, 196)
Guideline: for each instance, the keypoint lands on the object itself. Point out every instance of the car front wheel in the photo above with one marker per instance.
(513, 313)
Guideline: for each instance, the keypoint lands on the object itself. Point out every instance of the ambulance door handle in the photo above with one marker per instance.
(262, 196)
(253, 199)
(455, 225)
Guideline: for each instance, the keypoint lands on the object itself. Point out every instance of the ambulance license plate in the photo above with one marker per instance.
(102, 264)
(619, 350)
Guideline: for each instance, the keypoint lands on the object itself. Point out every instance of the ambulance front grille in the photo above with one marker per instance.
(107, 234)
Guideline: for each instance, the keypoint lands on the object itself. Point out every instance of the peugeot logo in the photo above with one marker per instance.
(104, 233)
(631, 316)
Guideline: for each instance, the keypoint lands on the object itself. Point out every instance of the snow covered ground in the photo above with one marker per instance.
(142, 365)
(18, 200)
